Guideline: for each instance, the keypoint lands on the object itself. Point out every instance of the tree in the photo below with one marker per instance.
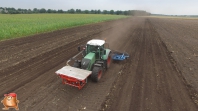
(78, 10)
(112, 12)
(11, 9)
(24, 10)
(99, 11)
(92, 11)
(60, 11)
(29, 11)
(19, 9)
(35, 10)
(54, 11)
(71, 11)
(104, 11)
(86, 11)
(49, 11)
(4, 12)
(126, 12)
(95, 11)
(119, 12)
(42, 10)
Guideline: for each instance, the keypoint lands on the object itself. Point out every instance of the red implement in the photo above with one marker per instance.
(73, 76)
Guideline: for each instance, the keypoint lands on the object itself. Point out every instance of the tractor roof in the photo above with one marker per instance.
(96, 42)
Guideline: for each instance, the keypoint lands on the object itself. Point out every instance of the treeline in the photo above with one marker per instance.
(5, 10)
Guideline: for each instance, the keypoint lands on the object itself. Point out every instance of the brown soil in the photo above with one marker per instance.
(151, 79)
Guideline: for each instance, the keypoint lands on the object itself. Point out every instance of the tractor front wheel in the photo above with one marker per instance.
(96, 74)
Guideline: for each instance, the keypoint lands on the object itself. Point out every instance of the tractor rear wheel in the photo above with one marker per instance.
(108, 62)
(96, 74)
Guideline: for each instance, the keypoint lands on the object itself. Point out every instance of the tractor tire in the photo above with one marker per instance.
(107, 62)
(76, 64)
(96, 74)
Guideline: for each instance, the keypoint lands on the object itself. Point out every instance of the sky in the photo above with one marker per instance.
(168, 7)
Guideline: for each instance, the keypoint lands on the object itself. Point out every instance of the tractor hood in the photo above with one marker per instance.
(87, 61)
(90, 56)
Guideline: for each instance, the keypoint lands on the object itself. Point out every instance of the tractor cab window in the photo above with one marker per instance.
(92, 48)
(98, 50)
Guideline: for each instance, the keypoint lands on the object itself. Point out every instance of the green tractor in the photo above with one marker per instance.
(96, 59)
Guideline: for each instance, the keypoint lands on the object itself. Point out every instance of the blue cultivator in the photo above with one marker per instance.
(119, 56)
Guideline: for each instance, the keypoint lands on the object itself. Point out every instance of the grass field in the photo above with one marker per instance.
(19, 25)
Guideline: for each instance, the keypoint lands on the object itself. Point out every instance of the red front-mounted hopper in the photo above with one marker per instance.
(73, 76)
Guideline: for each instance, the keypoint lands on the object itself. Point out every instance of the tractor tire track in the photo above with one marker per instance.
(151, 81)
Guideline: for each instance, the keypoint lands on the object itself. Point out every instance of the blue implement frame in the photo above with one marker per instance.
(120, 56)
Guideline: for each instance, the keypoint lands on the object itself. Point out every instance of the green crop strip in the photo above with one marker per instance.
(20, 25)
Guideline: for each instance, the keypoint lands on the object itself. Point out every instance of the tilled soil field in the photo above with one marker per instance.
(153, 78)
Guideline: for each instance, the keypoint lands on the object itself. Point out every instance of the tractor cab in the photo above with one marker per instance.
(97, 47)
